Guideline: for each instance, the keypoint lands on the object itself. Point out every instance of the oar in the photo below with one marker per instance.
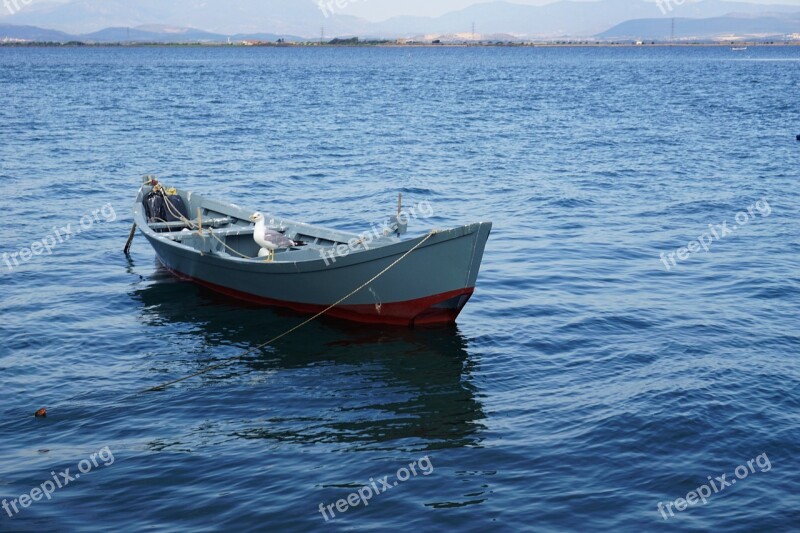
(130, 240)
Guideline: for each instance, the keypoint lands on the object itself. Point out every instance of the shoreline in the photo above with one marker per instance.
(385, 44)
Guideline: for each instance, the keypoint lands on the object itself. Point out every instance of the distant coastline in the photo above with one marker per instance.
(394, 44)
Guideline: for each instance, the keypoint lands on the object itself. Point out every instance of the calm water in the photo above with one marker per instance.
(584, 384)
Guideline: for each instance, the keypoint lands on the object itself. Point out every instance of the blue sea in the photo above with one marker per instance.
(591, 384)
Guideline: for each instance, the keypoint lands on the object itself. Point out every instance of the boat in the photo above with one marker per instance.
(739, 48)
(377, 277)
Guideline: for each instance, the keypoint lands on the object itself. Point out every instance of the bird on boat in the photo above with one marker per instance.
(269, 240)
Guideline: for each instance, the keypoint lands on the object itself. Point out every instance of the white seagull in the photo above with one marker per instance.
(269, 240)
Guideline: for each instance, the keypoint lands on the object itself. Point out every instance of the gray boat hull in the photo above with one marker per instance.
(431, 285)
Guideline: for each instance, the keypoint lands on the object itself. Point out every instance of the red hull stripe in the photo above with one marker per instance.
(441, 308)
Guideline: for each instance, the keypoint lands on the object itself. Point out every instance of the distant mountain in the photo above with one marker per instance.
(151, 35)
(32, 33)
(563, 18)
(716, 28)
(142, 34)
(558, 19)
(305, 18)
(300, 17)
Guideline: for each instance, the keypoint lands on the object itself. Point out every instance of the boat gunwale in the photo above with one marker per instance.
(380, 252)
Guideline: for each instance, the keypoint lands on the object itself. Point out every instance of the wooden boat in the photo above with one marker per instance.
(416, 281)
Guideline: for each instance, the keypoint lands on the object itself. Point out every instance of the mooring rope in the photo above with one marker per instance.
(244, 354)
(230, 360)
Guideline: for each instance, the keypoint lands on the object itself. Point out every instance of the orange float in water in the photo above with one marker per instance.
(41, 413)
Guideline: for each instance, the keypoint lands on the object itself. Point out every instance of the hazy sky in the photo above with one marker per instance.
(379, 10)
(382, 9)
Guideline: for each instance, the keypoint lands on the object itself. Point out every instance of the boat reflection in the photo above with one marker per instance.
(331, 381)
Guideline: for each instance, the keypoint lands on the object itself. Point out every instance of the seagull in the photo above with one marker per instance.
(268, 239)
